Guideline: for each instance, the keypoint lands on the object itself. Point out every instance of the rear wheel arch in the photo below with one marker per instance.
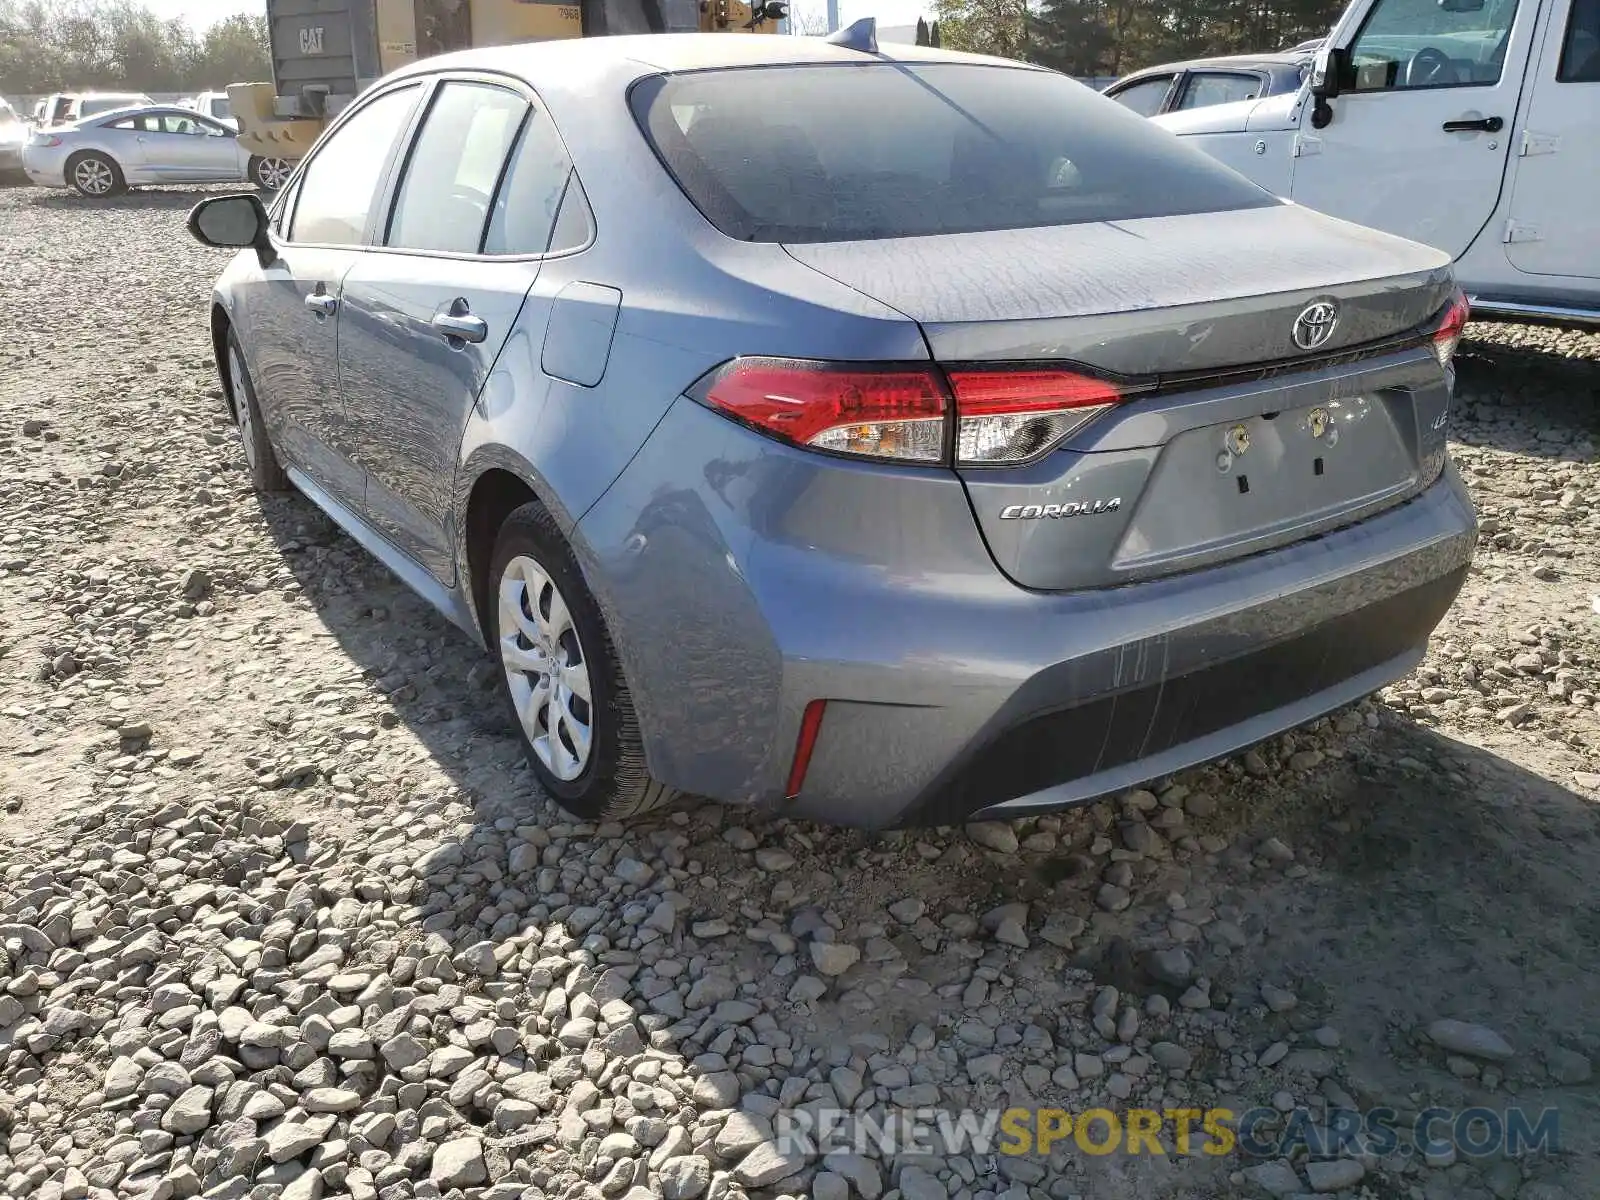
(496, 493)
(501, 484)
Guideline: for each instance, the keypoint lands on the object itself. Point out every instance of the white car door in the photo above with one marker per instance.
(223, 159)
(1420, 130)
(176, 150)
(1555, 220)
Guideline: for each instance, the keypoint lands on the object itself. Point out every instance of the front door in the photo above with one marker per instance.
(1555, 221)
(1420, 132)
(175, 148)
(423, 320)
(324, 226)
(292, 312)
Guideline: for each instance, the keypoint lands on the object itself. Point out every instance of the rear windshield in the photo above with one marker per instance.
(822, 153)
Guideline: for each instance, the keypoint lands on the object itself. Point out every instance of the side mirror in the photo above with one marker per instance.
(1326, 68)
(233, 223)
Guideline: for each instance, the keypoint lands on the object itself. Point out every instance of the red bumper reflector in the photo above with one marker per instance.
(810, 726)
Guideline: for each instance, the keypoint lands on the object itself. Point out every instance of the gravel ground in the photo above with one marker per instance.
(282, 914)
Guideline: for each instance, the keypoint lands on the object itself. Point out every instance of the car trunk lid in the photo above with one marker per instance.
(1232, 435)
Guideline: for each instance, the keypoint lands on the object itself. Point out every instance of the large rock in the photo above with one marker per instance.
(1475, 1041)
(189, 1113)
(684, 1177)
(767, 1164)
(834, 958)
(459, 1163)
(1335, 1176)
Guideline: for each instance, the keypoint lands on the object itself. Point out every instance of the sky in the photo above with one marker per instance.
(203, 13)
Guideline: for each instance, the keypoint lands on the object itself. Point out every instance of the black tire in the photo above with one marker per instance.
(269, 174)
(266, 472)
(92, 165)
(614, 784)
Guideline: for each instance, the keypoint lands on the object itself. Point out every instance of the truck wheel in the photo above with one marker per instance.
(270, 174)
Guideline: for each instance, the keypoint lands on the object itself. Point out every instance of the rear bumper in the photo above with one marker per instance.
(10, 157)
(744, 580)
(47, 168)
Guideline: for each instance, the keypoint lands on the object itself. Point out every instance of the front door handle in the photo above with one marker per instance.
(322, 304)
(459, 325)
(1481, 125)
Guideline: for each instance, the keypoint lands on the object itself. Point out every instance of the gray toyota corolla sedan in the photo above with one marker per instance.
(877, 437)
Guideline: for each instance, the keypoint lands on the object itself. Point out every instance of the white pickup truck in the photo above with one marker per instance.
(1471, 125)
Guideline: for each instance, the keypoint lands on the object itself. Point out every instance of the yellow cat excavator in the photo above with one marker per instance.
(324, 52)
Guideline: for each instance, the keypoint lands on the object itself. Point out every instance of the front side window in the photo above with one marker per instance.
(1205, 88)
(1580, 50)
(455, 167)
(340, 184)
(1145, 97)
(1430, 44)
(823, 153)
(221, 108)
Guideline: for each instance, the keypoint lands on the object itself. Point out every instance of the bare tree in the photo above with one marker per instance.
(808, 22)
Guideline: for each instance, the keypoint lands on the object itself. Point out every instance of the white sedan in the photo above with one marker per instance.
(157, 144)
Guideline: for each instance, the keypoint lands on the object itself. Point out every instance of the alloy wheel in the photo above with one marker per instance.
(546, 668)
(274, 173)
(94, 176)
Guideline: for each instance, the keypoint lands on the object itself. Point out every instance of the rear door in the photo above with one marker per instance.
(1420, 134)
(424, 316)
(1555, 223)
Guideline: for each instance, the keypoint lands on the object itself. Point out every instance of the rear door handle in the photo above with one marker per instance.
(1481, 125)
(322, 304)
(460, 325)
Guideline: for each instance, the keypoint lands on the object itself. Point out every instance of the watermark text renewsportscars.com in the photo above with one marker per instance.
(1254, 1132)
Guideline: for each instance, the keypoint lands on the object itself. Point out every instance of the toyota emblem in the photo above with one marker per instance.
(1314, 325)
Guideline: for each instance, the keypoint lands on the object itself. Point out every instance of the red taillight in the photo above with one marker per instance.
(1003, 416)
(889, 412)
(1447, 336)
(1012, 416)
(810, 726)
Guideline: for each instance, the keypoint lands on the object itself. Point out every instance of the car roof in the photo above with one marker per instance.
(146, 110)
(1260, 62)
(569, 64)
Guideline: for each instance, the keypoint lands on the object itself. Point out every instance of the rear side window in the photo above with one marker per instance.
(525, 212)
(1145, 97)
(340, 184)
(1580, 52)
(885, 150)
(455, 167)
(1205, 88)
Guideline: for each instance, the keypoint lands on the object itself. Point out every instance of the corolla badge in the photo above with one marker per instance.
(1035, 512)
(1314, 326)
